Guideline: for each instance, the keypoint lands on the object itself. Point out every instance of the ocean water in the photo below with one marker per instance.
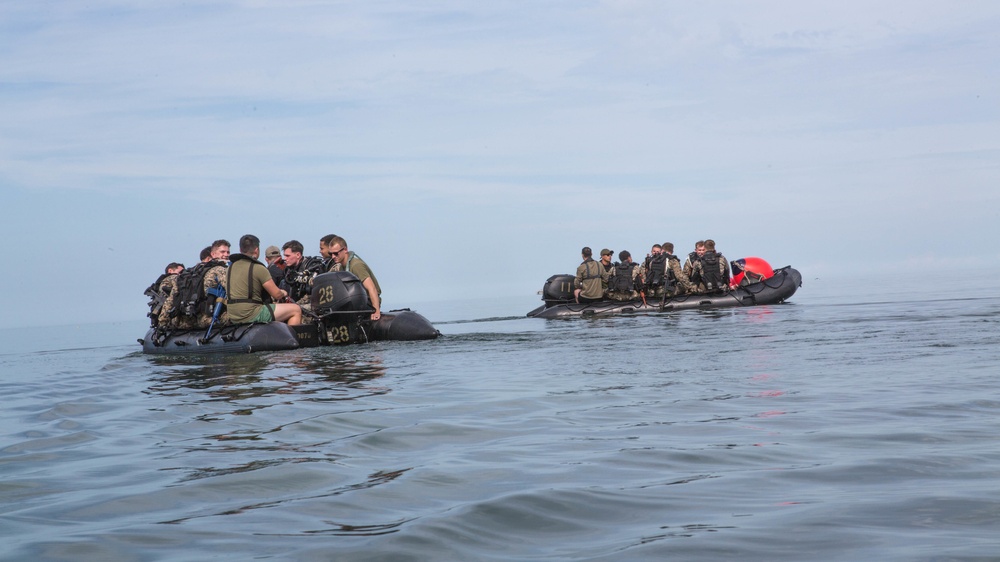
(858, 421)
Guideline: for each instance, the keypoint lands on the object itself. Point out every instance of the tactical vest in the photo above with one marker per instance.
(621, 281)
(711, 272)
(656, 272)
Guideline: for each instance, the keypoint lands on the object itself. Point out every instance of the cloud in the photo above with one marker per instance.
(486, 133)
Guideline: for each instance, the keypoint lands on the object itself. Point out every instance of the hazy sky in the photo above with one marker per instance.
(467, 148)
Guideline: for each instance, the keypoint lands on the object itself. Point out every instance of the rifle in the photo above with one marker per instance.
(220, 298)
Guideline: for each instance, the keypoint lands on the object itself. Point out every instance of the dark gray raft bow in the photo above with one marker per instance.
(774, 290)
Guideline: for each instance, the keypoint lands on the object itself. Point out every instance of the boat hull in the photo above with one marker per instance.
(774, 290)
(397, 325)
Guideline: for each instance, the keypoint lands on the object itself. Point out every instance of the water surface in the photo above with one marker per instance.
(852, 423)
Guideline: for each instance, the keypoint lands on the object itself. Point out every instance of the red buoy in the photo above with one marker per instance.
(750, 270)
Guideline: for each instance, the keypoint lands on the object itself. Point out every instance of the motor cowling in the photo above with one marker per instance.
(558, 288)
(338, 292)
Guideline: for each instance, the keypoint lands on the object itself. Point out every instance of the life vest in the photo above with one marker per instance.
(711, 273)
(621, 280)
(190, 299)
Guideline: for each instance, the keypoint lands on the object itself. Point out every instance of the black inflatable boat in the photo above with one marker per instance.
(558, 297)
(342, 316)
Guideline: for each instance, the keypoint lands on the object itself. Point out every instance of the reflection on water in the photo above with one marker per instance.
(320, 376)
(826, 432)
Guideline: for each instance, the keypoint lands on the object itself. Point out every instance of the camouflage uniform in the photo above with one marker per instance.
(699, 275)
(215, 277)
(682, 284)
(169, 319)
(159, 294)
(689, 265)
(169, 287)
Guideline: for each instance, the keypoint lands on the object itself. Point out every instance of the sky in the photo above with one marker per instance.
(469, 149)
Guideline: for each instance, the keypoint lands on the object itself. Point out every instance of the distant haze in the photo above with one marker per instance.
(472, 148)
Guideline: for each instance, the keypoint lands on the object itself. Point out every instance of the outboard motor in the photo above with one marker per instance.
(558, 289)
(340, 300)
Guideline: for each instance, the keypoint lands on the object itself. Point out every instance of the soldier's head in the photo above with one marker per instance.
(220, 250)
(337, 247)
(709, 245)
(173, 268)
(206, 254)
(272, 254)
(249, 244)
(656, 250)
(668, 247)
(292, 251)
(324, 245)
(624, 256)
(606, 255)
(699, 248)
(587, 252)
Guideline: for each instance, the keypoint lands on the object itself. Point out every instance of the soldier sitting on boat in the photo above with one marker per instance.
(626, 278)
(711, 271)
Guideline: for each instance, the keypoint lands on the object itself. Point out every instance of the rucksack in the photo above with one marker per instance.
(711, 274)
(190, 299)
(621, 281)
(656, 274)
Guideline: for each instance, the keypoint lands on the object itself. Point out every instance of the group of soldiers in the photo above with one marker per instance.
(190, 298)
(660, 275)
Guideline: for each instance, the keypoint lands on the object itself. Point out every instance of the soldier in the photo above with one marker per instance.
(656, 273)
(160, 290)
(187, 304)
(606, 260)
(626, 279)
(275, 264)
(299, 271)
(248, 281)
(324, 250)
(220, 250)
(591, 279)
(206, 255)
(345, 260)
(711, 271)
(699, 250)
(682, 284)
(607, 265)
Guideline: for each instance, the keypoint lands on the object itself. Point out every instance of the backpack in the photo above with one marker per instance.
(711, 274)
(621, 281)
(190, 299)
(656, 272)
